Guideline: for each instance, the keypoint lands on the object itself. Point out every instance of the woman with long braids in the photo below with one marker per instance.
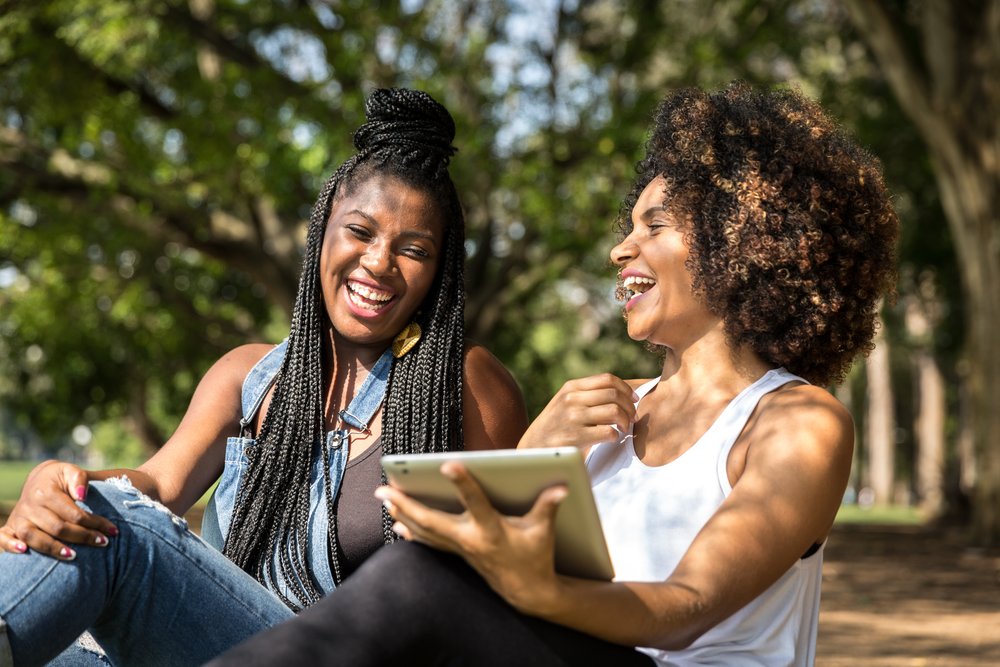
(756, 244)
(375, 362)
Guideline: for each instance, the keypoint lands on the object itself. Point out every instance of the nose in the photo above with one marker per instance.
(624, 251)
(377, 259)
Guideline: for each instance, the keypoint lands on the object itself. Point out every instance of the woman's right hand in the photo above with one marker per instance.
(583, 413)
(46, 517)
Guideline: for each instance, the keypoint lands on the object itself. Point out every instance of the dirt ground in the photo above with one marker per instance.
(900, 597)
(908, 597)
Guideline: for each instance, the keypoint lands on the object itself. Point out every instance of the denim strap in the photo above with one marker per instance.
(259, 380)
(366, 402)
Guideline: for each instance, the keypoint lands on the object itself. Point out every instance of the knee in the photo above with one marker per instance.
(417, 579)
(407, 566)
(118, 500)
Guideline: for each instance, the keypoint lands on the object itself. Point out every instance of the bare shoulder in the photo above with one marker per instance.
(231, 369)
(483, 368)
(245, 356)
(806, 406)
(803, 420)
(494, 412)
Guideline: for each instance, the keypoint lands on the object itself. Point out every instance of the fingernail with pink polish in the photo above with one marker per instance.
(20, 547)
(67, 554)
(81, 493)
(113, 531)
(101, 541)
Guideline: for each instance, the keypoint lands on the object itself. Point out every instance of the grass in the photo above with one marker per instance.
(13, 473)
(898, 515)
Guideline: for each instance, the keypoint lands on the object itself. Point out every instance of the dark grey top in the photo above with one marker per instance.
(359, 512)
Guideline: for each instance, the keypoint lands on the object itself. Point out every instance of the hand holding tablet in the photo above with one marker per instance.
(512, 480)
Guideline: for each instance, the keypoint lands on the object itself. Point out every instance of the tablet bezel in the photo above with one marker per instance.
(512, 480)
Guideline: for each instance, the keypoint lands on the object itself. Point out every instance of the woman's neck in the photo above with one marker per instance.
(697, 383)
(710, 367)
(347, 357)
(347, 364)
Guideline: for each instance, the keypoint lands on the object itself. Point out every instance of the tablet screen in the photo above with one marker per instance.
(512, 480)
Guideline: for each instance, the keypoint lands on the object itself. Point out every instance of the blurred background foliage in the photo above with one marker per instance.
(158, 161)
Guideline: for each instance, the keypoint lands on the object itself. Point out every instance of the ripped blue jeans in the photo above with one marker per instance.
(156, 595)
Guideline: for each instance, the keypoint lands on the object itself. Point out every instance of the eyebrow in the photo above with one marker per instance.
(408, 233)
(651, 211)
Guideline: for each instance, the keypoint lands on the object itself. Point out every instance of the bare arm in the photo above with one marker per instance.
(46, 518)
(192, 459)
(494, 416)
(786, 498)
(797, 467)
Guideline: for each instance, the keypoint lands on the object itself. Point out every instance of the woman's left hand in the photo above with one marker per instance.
(514, 554)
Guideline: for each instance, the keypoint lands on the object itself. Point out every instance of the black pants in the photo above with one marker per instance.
(413, 605)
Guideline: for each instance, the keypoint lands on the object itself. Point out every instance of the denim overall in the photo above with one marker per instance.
(358, 415)
(158, 594)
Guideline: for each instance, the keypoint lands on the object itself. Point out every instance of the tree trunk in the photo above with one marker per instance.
(843, 394)
(923, 313)
(984, 390)
(930, 434)
(140, 422)
(880, 428)
(966, 445)
(972, 203)
(950, 92)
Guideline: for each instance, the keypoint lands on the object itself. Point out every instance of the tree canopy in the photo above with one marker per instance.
(158, 161)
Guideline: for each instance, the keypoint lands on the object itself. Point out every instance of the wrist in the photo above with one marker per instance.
(544, 600)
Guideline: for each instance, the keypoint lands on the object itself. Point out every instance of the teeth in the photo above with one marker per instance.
(362, 296)
(638, 284)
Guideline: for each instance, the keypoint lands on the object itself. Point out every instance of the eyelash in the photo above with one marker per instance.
(359, 232)
(416, 253)
(363, 234)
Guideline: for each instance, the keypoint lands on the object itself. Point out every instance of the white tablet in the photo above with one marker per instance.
(512, 480)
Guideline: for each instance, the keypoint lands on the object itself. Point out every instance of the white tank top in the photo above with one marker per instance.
(651, 515)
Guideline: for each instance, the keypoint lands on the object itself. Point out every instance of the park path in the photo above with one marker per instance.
(908, 597)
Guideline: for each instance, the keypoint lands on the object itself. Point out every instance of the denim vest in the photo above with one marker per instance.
(219, 512)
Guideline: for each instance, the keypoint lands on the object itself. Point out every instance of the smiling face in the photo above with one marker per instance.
(380, 254)
(661, 308)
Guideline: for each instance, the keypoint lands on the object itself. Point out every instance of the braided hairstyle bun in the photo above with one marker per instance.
(410, 123)
(408, 137)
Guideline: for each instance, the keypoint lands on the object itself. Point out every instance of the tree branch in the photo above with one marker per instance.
(60, 174)
(149, 100)
(238, 52)
(885, 40)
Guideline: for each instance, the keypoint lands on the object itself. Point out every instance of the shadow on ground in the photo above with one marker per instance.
(908, 596)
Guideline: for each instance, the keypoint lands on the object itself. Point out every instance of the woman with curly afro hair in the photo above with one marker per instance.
(757, 243)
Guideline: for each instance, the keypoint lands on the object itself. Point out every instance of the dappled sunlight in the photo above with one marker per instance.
(907, 595)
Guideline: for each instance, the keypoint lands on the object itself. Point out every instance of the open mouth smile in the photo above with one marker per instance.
(638, 284)
(367, 297)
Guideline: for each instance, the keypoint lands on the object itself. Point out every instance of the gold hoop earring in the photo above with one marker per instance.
(406, 339)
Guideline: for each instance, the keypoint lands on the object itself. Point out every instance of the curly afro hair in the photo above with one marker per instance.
(790, 228)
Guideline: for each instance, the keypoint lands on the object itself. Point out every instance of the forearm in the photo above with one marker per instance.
(139, 479)
(660, 614)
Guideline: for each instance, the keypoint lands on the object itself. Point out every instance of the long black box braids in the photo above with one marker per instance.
(408, 136)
